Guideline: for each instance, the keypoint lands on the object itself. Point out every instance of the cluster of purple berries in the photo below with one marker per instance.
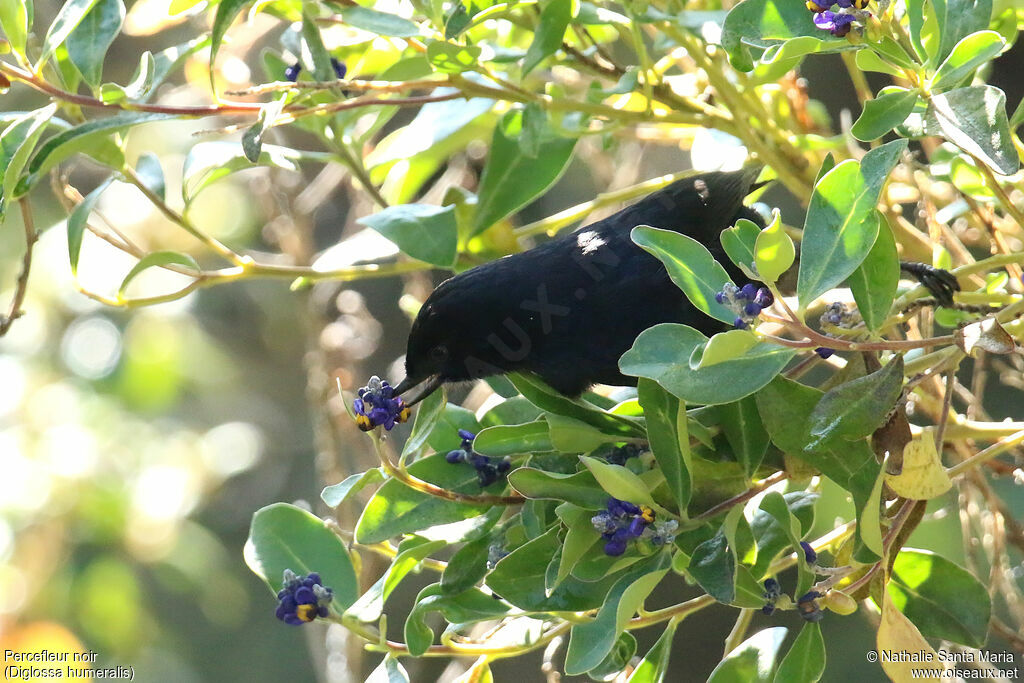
(836, 314)
(838, 23)
(291, 73)
(487, 472)
(746, 302)
(302, 598)
(378, 405)
(623, 521)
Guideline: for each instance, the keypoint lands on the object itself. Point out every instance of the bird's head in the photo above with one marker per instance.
(439, 344)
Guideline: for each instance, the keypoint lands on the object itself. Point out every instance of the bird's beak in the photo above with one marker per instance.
(429, 386)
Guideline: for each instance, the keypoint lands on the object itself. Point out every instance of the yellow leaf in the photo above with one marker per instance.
(899, 640)
(923, 476)
(726, 346)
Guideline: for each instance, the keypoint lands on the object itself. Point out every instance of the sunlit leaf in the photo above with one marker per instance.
(589, 643)
(941, 598)
(427, 233)
(286, 537)
(753, 660)
(547, 39)
(877, 278)
(154, 260)
(923, 477)
(381, 23)
(805, 660)
(88, 43)
(510, 179)
(663, 353)
(841, 227)
(774, 252)
(690, 265)
(883, 113)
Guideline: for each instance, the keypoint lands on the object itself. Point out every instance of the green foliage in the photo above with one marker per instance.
(737, 437)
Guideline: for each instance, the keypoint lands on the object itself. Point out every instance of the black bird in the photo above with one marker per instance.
(569, 308)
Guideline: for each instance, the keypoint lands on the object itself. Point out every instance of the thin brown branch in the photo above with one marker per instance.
(21, 285)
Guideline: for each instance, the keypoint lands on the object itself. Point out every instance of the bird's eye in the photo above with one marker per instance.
(439, 353)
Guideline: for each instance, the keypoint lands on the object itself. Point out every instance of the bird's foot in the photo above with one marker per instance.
(940, 283)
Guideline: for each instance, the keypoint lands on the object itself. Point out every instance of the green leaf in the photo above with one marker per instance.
(568, 435)
(519, 578)
(773, 251)
(713, 567)
(91, 138)
(452, 58)
(17, 142)
(427, 416)
(775, 505)
(426, 233)
(14, 20)
(397, 509)
(785, 408)
(511, 179)
(141, 83)
(753, 660)
(70, 15)
(767, 23)
(966, 56)
(554, 19)
(876, 280)
(154, 260)
(370, 605)
(663, 353)
(227, 10)
(974, 119)
(464, 608)
(739, 242)
(283, 537)
(617, 659)
(855, 409)
(884, 113)
(381, 23)
(690, 265)
(771, 536)
(580, 537)
(957, 19)
(77, 222)
(591, 642)
(943, 600)
(869, 60)
(654, 666)
(88, 43)
(502, 440)
(388, 671)
(841, 227)
(252, 138)
(336, 494)
(579, 489)
(743, 429)
(548, 400)
(151, 173)
(668, 437)
(467, 566)
(805, 661)
(620, 482)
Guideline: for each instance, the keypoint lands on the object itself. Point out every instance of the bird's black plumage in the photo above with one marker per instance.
(569, 308)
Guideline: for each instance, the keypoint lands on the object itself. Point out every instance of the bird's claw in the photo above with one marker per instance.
(940, 283)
